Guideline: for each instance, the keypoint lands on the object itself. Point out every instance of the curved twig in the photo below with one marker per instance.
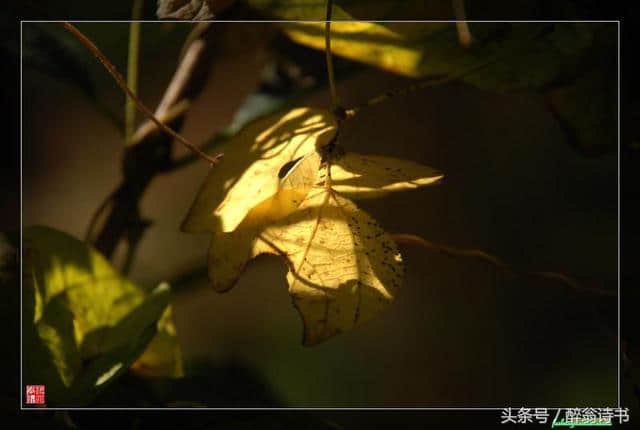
(438, 80)
(410, 239)
(89, 234)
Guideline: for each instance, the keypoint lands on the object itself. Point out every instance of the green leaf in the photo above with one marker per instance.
(83, 324)
(163, 357)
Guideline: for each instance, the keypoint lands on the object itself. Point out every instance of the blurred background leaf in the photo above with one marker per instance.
(162, 358)
(563, 60)
(86, 322)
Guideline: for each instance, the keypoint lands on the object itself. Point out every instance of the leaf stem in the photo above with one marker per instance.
(132, 69)
(121, 82)
(327, 49)
(410, 239)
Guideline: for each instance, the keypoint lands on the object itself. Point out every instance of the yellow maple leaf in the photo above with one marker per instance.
(229, 252)
(354, 175)
(344, 268)
(248, 174)
(367, 176)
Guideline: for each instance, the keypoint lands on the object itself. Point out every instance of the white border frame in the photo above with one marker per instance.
(21, 390)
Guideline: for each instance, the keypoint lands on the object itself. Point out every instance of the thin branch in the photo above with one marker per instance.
(327, 49)
(215, 141)
(121, 82)
(410, 239)
(438, 80)
(89, 235)
(132, 69)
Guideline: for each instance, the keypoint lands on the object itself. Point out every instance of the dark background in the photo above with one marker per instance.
(462, 333)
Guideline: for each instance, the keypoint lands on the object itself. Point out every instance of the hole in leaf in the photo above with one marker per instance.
(286, 167)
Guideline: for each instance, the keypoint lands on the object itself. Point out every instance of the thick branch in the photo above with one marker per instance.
(151, 154)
